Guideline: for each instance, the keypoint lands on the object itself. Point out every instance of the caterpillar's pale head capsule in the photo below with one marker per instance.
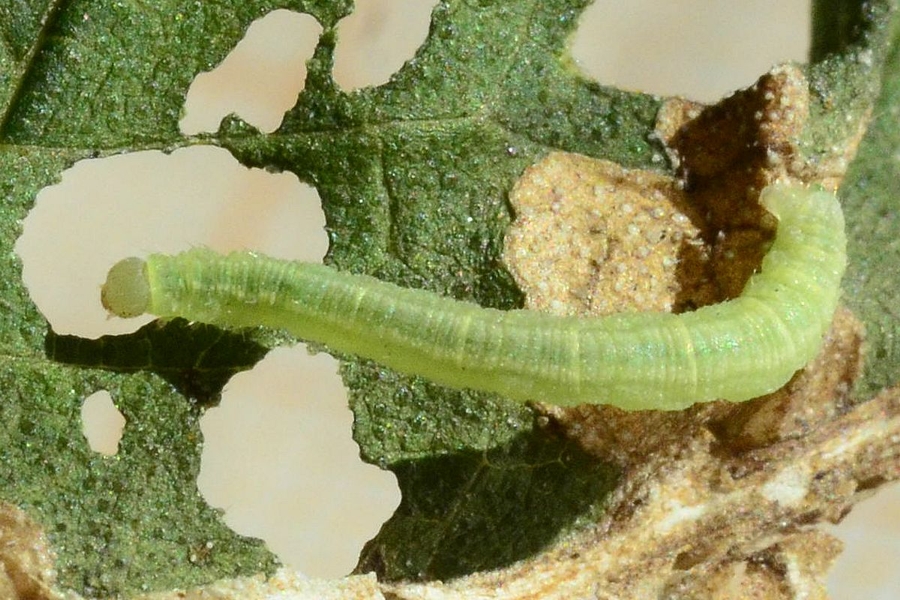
(126, 292)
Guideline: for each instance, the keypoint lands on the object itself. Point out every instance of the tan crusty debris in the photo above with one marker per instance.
(727, 153)
(26, 561)
(693, 521)
(284, 585)
(699, 521)
(591, 237)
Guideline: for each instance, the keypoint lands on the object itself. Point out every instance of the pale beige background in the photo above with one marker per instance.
(278, 458)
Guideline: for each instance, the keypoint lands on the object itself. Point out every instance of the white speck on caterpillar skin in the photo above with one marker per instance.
(735, 350)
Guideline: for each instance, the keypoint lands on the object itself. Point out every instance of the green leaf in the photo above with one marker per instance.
(857, 73)
(469, 511)
(872, 207)
(84, 79)
(414, 177)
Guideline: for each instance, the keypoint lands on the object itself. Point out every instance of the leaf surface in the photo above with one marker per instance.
(414, 177)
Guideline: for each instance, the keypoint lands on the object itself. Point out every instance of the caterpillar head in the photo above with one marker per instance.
(126, 292)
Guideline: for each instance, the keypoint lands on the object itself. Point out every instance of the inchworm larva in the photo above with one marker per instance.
(735, 350)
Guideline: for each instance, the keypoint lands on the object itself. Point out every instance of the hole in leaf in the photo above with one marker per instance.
(102, 423)
(259, 80)
(699, 49)
(377, 38)
(284, 467)
(867, 568)
(107, 209)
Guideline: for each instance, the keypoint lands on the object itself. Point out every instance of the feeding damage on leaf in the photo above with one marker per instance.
(693, 248)
(724, 154)
(720, 495)
(735, 350)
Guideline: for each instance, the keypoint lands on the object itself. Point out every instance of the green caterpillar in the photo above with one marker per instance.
(735, 350)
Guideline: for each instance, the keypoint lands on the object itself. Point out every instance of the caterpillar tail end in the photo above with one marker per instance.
(126, 292)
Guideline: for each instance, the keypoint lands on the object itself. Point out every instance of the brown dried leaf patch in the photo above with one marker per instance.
(27, 570)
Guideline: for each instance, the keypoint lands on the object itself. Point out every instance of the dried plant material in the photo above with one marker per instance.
(693, 522)
(818, 393)
(284, 585)
(26, 560)
(591, 237)
(726, 153)
(794, 568)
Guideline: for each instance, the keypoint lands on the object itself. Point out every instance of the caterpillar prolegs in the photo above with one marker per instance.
(735, 350)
